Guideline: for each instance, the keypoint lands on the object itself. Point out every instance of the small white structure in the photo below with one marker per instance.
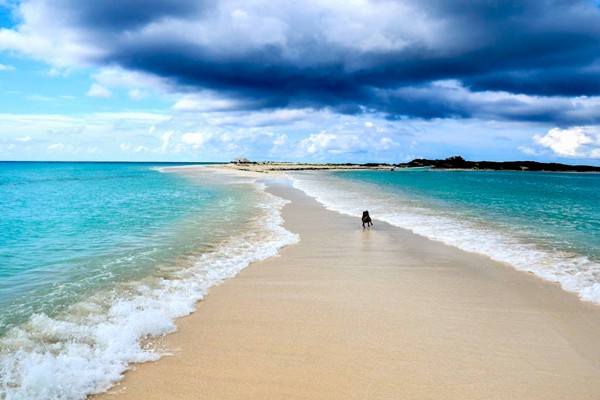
(241, 160)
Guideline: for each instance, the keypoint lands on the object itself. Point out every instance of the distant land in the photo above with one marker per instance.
(457, 162)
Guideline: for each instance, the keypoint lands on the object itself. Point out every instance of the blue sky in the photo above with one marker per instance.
(334, 81)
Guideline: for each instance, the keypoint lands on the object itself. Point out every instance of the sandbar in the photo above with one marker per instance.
(378, 313)
(275, 167)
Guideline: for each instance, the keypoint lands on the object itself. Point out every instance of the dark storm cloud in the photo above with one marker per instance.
(119, 16)
(566, 82)
(381, 56)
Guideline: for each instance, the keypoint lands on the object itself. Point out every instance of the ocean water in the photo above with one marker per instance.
(95, 258)
(544, 223)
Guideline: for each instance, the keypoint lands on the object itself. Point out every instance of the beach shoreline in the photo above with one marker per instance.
(378, 313)
(279, 168)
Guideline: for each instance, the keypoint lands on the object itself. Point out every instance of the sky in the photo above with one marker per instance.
(309, 81)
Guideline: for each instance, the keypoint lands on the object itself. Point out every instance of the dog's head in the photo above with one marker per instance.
(365, 213)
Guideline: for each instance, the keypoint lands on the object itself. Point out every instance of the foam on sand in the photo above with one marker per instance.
(575, 273)
(87, 348)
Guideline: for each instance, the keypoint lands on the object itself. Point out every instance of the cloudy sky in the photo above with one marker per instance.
(312, 80)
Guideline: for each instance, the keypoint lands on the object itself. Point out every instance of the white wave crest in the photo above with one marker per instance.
(575, 273)
(86, 349)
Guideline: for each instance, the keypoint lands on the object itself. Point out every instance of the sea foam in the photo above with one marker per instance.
(575, 273)
(87, 348)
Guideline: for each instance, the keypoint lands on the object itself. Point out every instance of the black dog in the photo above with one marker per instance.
(366, 219)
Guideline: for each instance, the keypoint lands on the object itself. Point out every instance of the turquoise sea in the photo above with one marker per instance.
(542, 222)
(95, 257)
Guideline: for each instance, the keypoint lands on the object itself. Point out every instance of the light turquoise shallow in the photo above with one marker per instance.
(95, 258)
(68, 230)
(540, 222)
(558, 210)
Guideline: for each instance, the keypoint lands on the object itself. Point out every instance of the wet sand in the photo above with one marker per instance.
(378, 313)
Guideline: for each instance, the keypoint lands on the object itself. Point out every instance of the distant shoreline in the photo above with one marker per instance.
(452, 163)
(269, 166)
(458, 162)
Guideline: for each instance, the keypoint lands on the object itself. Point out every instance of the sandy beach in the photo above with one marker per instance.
(280, 167)
(378, 313)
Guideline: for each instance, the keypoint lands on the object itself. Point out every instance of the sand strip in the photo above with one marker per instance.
(376, 314)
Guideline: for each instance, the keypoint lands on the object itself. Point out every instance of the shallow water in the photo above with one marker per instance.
(96, 257)
(545, 223)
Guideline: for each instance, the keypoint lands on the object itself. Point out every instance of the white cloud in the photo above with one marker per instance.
(119, 77)
(299, 134)
(371, 26)
(579, 142)
(196, 139)
(348, 139)
(60, 148)
(141, 148)
(97, 90)
(320, 142)
(97, 136)
(257, 28)
(206, 101)
(28, 118)
(166, 138)
(386, 143)
(281, 140)
(6, 67)
(137, 117)
(137, 94)
(44, 35)
(285, 116)
(528, 150)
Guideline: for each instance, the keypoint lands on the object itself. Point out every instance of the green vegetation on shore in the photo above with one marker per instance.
(457, 162)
